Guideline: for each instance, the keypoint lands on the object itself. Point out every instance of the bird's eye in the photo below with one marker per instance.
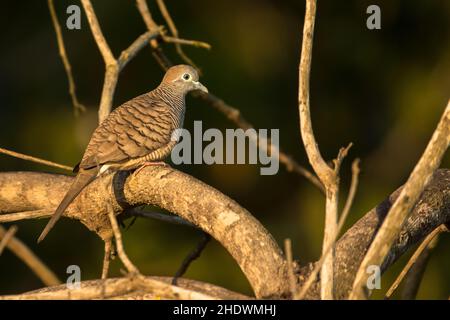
(186, 76)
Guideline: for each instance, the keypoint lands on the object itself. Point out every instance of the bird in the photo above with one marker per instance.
(135, 134)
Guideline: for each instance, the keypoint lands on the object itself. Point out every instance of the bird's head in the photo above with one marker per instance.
(184, 78)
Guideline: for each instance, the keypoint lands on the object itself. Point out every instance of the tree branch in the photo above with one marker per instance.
(131, 268)
(30, 259)
(6, 237)
(411, 192)
(97, 33)
(147, 288)
(432, 210)
(317, 267)
(423, 246)
(251, 246)
(235, 228)
(193, 255)
(327, 175)
(62, 52)
(112, 66)
(34, 159)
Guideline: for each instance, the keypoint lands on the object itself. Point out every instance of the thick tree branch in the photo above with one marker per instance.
(139, 288)
(432, 210)
(204, 206)
(235, 228)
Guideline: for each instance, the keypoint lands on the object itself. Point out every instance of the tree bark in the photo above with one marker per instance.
(235, 228)
(432, 210)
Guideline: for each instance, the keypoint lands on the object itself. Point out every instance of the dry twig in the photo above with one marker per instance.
(106, 258)
(193, 255)
(113, 66)
(348, 203)
(62, 52)
(290, 263)
(30, 259)
(6, 237)
(34, 159)
(117, 288)
(173, 29)
(415, 274)
(25, 215)
(424, 245)
(119, 244)
(327, 175)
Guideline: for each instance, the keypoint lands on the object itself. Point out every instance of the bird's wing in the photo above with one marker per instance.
(133, 130)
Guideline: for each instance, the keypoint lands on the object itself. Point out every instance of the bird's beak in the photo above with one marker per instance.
(199, 86)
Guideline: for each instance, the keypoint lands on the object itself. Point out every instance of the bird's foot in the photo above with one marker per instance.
(149, 163)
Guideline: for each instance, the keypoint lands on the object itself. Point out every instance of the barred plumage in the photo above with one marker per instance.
(138, 131)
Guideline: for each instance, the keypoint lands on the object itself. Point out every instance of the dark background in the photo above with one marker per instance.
(384, 90)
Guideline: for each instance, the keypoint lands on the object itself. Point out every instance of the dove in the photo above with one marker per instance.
(136, 134)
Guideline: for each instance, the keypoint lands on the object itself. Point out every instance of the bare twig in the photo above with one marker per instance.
(31, 260)
(415, 274)
(413, 259)
(152, 26)
(25, 215)
(106, 258)
(193, 255)
(173, 29)
(146, 15)
(113, 66)
(34, 159)
(6, 237)
(322, 169)
(290, 263)
(194, 43)
(121, 288)
(327, 175)
(97, 33)
(416, 183)
(351, 196)
(119, 244)
(135, 47)
(62, 52)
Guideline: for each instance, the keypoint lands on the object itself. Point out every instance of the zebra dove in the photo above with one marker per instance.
(137, 133)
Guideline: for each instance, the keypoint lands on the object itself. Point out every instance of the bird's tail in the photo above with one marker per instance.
(83, 178)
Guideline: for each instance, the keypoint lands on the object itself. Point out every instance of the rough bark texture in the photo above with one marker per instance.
(250, 244)
(245, 238)
(432, 209)
(143, 288)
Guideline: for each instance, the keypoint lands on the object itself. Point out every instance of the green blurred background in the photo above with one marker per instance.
(384, 90)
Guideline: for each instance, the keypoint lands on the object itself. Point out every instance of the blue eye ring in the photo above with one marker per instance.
(186, 76)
